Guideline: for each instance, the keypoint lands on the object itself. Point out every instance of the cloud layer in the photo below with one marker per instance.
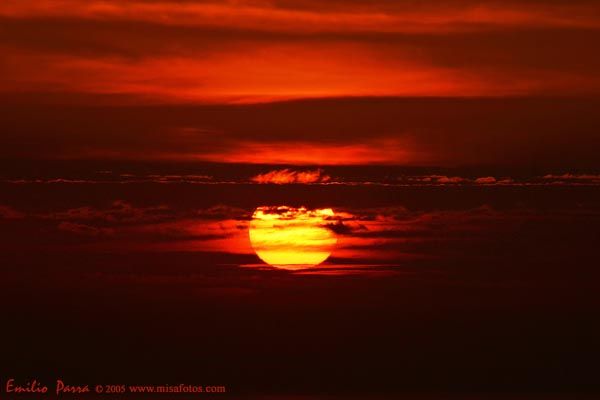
(205, 51)
(454, 83)
(547, 134)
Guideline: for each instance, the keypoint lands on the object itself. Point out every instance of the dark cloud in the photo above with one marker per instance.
(83, 229)
(119, 212)
(522, 47)
(342, 228)
(10, 213)
(123, 39)
(533, 132)
(222, 212)
(391, 5)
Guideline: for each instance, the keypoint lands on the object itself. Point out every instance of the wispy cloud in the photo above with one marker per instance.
(574, 178)
(311, 17)
(283, 176)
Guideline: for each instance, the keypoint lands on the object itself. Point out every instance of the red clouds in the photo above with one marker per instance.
(283, 176)
(307, 153)
(209, 54)
(163, 51)
(317, 17)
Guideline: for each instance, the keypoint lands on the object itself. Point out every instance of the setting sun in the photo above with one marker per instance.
(292, 238)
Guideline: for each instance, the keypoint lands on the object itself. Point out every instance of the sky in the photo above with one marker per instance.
(302, 198)
(247, 51)
(453, 83)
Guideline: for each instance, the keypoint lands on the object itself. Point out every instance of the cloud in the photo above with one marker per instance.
(446, 179)
(341, 228)
(316, 70)
(315, 17)
(166, 51)
(283, 176)
(318, 132)
(125, 227)
(216, 79)
(486, 180)
(10, 213)
(119, 212)
(373, 151)
(396, 232)
(222, 212)
(108, 177)
(84, 230)
(174, 178)
(582, 178)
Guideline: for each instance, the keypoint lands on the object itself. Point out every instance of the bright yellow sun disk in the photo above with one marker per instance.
(292, 238)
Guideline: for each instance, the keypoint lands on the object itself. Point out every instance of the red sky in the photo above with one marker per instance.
(456, 141)
(185, 53)
(256, 50)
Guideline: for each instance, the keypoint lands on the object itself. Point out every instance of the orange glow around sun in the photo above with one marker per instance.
(292, 238)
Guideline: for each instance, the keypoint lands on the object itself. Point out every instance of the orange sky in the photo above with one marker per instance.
(248, 53)
(261, 50)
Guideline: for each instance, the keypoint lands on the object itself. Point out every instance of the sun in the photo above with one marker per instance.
(292, 238)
